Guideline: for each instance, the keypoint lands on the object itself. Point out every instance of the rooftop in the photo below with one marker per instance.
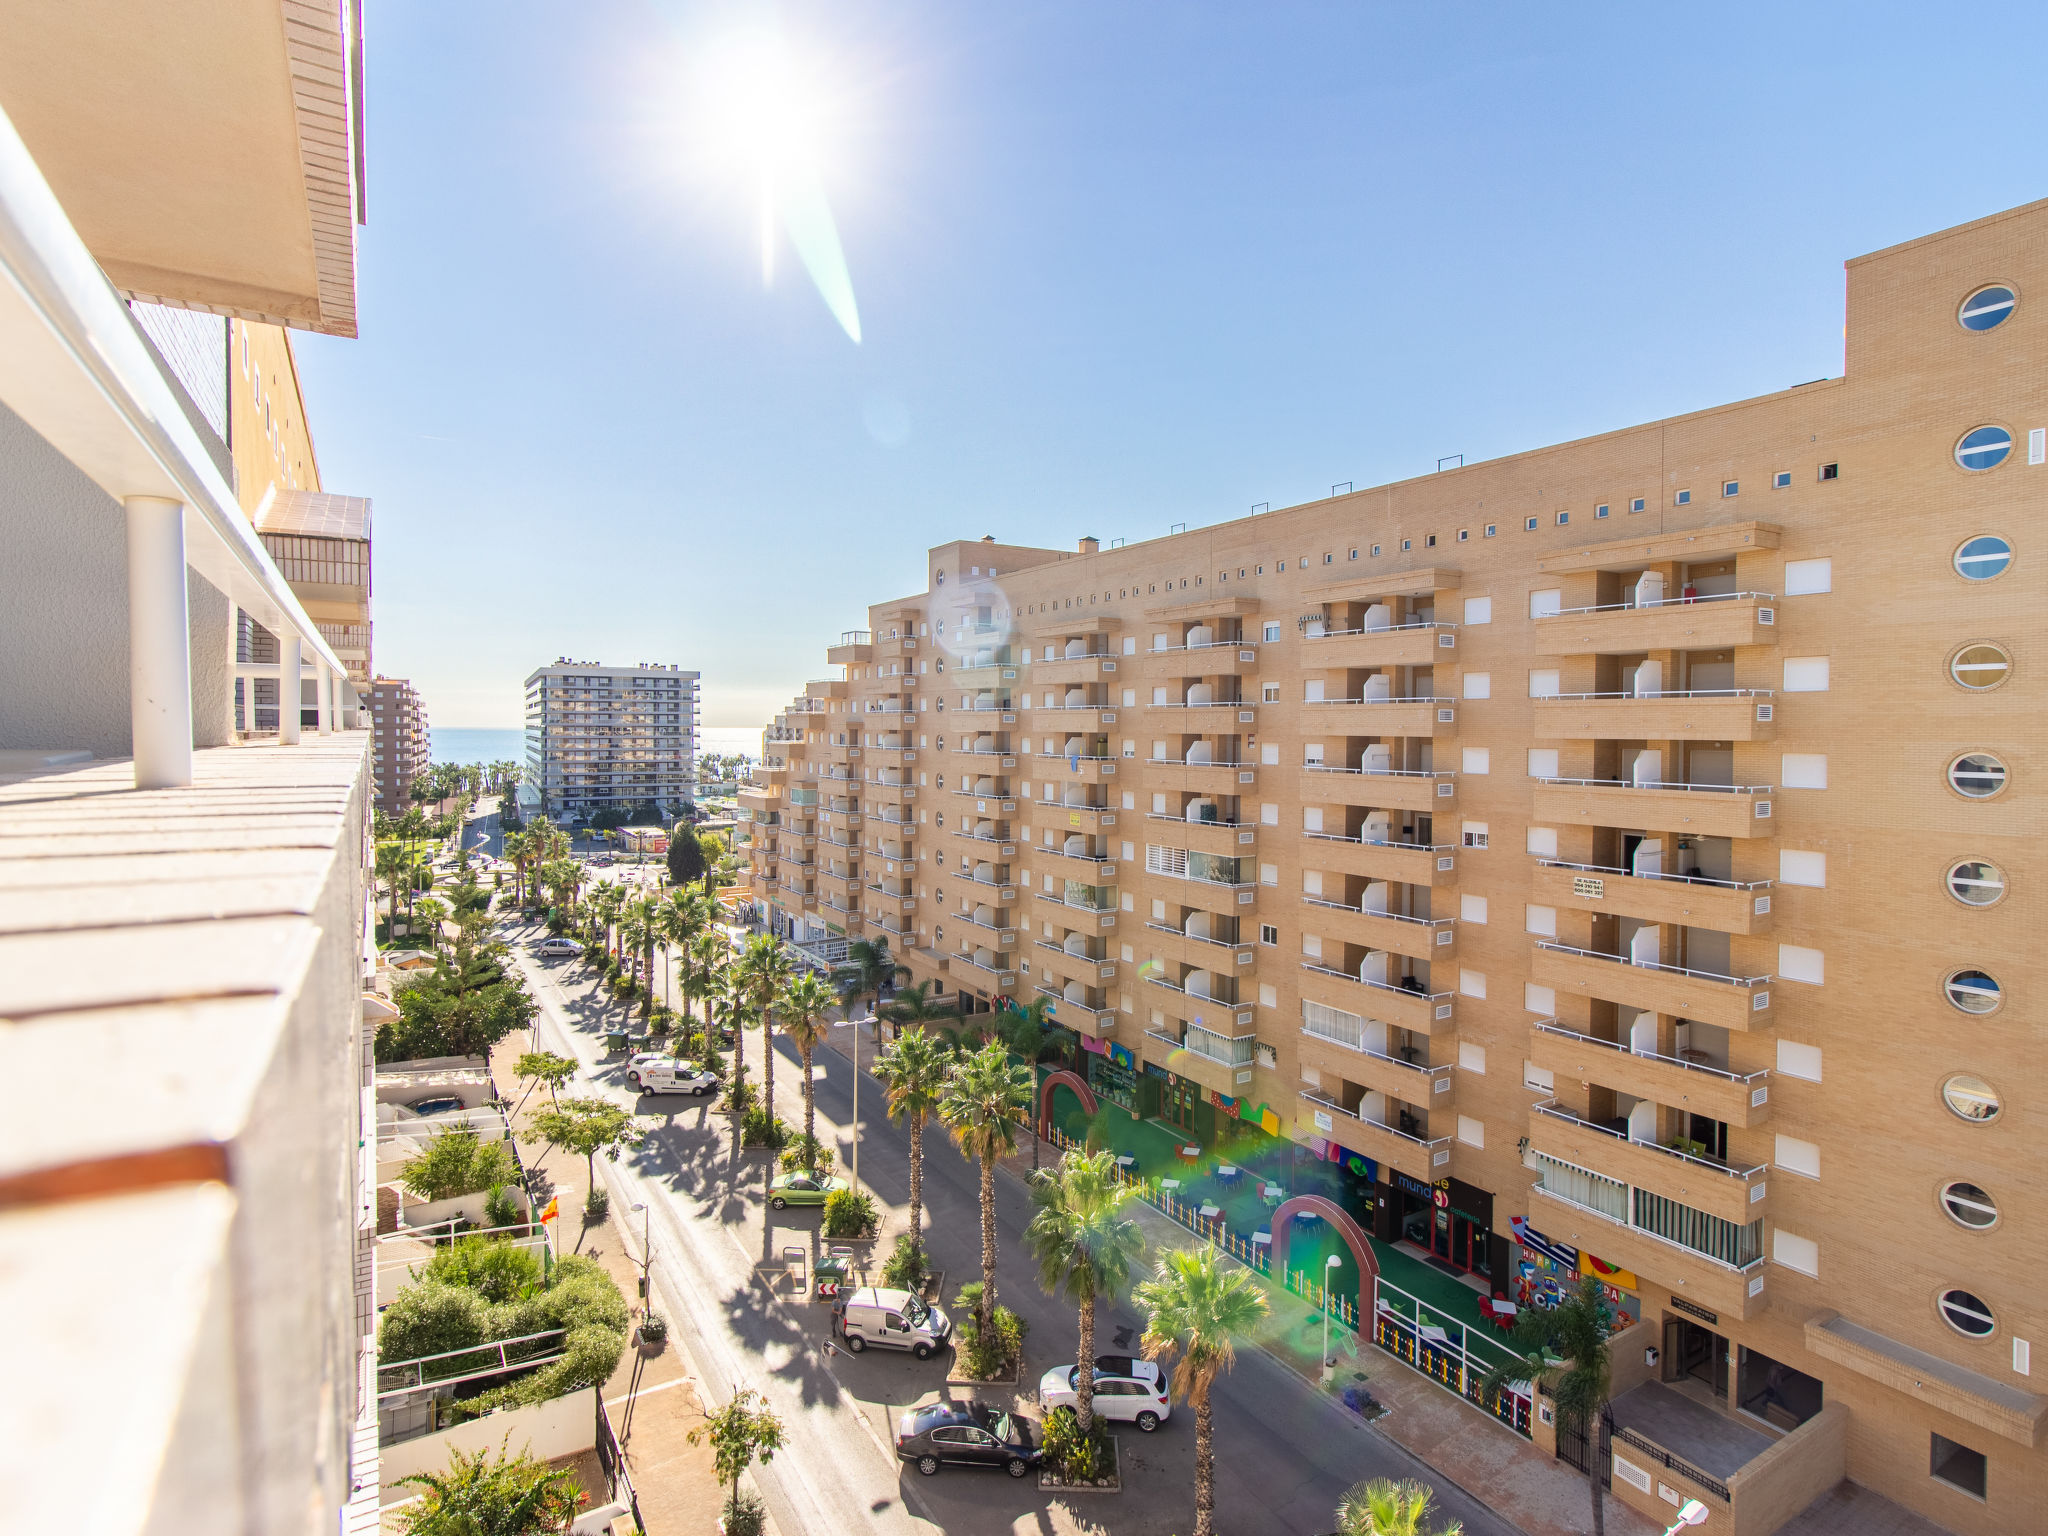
(319, 514)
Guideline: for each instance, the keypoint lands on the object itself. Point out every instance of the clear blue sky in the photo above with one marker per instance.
(1117, 266)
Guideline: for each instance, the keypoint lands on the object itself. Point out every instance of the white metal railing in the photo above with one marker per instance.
(1622, 1048)
(1382, 773)
(1078, 757)
(1421, 1069)
(1182, 933)
(1671, 693)
(1710, 789)
(491, 1360)
(1608, 869)
(1655, 965)
(1415, 992)
(1671, 602)
(1182, 821)
(1383, 629)
(1206, 645)
(1376, 842)
(1431, 1144)
(1419, 699)
(1557, 1111)
(1397, 917)
(1200, 704)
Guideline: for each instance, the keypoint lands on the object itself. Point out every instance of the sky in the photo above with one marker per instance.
(1116, 266)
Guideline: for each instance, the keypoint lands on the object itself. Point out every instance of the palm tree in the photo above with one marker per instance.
(645, 914)
(606, 903)
(730, 1002)
(704, 964)
(685, 916)
(982, 1101)
(1565, 1349)
(868, 969)
(1384, 1507)
(764, 971)
(913, 1073)
(803, 1006)
(392, 862)
(1085, 1247)
(915, 1005)
(482, 1495)
(1199, 1308)
(430, 911)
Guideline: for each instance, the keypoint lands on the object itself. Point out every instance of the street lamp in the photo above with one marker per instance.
(646, 1258)
(1329, 1273)
(1694, 1513)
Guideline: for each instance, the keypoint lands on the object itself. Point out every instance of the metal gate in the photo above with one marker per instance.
(1574, 1448)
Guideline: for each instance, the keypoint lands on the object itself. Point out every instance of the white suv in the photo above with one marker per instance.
(1134, 1391)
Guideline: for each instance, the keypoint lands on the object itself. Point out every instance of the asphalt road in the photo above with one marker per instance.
(1284, 1454)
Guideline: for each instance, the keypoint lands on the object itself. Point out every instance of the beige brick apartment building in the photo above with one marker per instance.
(1627, 845)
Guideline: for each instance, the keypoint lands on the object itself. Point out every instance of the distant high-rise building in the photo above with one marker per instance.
(604, 738)
(321, 544)
(402, 753)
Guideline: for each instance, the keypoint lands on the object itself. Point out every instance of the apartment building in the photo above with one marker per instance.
(607, 740)
(1614, 856)
(401, 748)
(197, 1250)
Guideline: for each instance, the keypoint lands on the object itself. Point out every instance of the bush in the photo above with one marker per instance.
(654, 1328)
(906, 1267)
(1073, 1456)
(850, 1213)
(745, 1515)
(793, 1155)
(501, 1208)
(759, 1128)
(490, 1266)
(458, 1163)
(999, 1354)
(587, 1305)
(740, 1098)
(596, 1206)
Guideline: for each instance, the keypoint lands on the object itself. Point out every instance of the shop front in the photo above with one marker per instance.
(1450, 1220)
(1113, 1074)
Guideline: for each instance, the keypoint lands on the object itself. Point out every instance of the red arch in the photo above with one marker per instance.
(1072, 1080)
(1345, 1227)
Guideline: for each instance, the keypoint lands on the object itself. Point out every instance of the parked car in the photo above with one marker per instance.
(435, 1104)
(802, 1189)
(1126, 1389)
(890, 1319)
(553, 947)
(967, 1434)
(665, 1074)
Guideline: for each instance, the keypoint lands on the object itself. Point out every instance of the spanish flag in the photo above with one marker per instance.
(553, 1210)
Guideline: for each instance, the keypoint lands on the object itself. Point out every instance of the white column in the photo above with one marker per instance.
(324, 696)
(290, 686)
(159, 644)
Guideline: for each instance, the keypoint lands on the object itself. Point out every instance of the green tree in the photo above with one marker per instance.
(686, 862)
(457, 1162)
(463, 1007)
(535, 1067)
(982, 1101)
(915, 1005)
(764, 971)
(803, 1006)
(913, 1073)
(1566, 1350)
(481, 1494)
(1384, 1507)
(869, 967)
(496, 1268)
(1198, 1308)
(587, 1127)
(1084, 1245)
(744, 1431)
(394, 864)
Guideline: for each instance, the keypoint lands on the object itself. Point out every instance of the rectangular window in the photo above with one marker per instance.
(1471, 909)
(1272, 632)
(1957, 1465)
(1801, 866)
(1490, 528)
(1684, 498)
(1781, 480)
(1794, 1251)
(1803, 770)
(1406, 545)
(1471, 1132)
(1800, 1061)
(1563, 518)
(1798, 963)
(1804, 578)
(1528, 525)
(1478, 685)
(1806, 674)
(1681, 1224)
(1268, 934)
(1475, 760)
(1472, 984)
(1542, 841)
(1544, 683)
(1731, 488)
(1479, 610)
(1327, 1023)
(1595, 1191)
(1798, 1156)
(1269, 693)
(1546, 602)
(1541, 921)
(1475, 834)
(1464, 534)
(1542, 1079)
(1831, 471)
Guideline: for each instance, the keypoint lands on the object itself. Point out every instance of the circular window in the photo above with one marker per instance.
(1976, 882)
(1969, 1206)
(1967, 1315)
(1983, 447)
(1980, 667)
(1983, 557)
(1972, 991)
(1971, 1098)
(1987, 307)
(1978, 775)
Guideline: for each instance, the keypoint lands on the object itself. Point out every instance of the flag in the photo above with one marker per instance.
(553, 1210)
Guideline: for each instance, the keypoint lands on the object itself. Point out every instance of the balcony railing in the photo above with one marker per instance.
(1434, 1146)
(1621, 1048)
(1224, 1050)
(1182, 821)
(1745, 982)
(1417, 699)
(1673, 602)
(1434, 924)
(1381, 773)
(1206, 645)
(1415, 992)
(1704, 789)
(1384, 629)
(1432, 1074)
(1182, 933)
(1362, 841)
(1061, 949)
(1557, 1111)
(1671, 693)
(1608, 869)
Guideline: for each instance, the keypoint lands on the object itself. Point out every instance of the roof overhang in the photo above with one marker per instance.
(208, 151)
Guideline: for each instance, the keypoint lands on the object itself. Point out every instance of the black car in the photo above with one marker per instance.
(966, 1434)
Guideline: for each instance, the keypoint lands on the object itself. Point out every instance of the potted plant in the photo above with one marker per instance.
(653, 1332)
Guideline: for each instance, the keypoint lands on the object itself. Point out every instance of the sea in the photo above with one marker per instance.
(467, 744)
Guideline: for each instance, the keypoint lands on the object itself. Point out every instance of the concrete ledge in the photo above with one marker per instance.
(1954, 1389)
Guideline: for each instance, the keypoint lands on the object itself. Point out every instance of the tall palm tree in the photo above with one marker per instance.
(803, 1006)
(645, 915)
(731, 1003)
(764, 970)
(393, 862)
(1196, 1307)
(913, 1073)
(685, 916)
(1085, 1247)
(981, 1104)
(1384, 1507)
(915, 1005)
(518, 850)
(704, 963)
(868, 969)
(1566, 1350)
(606, 903)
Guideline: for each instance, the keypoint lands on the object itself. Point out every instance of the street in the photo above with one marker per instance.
(1284, 1454)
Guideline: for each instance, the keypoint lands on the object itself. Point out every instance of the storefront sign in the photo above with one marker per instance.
(1563, 1255)
(1589, 887)
(1415, 1187)
(1122, 1057)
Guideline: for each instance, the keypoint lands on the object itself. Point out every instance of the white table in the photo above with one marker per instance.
(1211, 1212)
(1169, 1185)
(1263, 1236)
(1274, 1192)
(1434, 1335)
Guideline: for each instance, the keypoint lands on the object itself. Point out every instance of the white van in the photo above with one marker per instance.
(891, 1320)
(665, 1074)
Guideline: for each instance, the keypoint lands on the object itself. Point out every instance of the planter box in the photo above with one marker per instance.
(1051, 1481)
(957, 1375)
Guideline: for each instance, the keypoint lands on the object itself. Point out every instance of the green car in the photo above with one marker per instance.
(802, 1189)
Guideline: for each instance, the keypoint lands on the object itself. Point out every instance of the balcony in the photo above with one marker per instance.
(1418, 1012)
(1074, 767)
(988, 804)
(1203, 714)
(1223, 956)
(1075, 818)
(1002, 893)
(1220, 778)
(1430, 717)
(994, 935)
(1739, 1099)
(1386, 789)
(1072, 866)
(1715, 714)
(967, 970)
(1213, 658)
(1222, 1062)
(1408, 863)
(1705, 810)
(1420, 938)
(1078, 914)
(1731, 1290)
(1057, 960)
(1733, 1002)
(890, 794)
(1229, 838)
(1069, 670)
(1422, 1159)
(1737, 1195)
(1095, 1023)
(855, 647)
(986, 844)
(1397, 1076)
(1676, 624)
(1398, 645)
(1730, 906)
(1056, 716)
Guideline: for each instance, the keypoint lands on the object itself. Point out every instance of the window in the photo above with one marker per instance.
(1799, 866)
(1806, 674)
(1986, 308)
(1542, 1079)
(1471, 909)
(1800, 1061)
(1326, 556)
(1475, 760)
(1269, 693)
(1544, 683)
(1479, 610)
(1803, 770)
(1546, 603)
(1528, 525)
(1804, 578)
(1375, 551)
(1798, 1156)
(1406, 545)
(1781, 480)
(1490, 528)
(1537, 999)
(1543, 762)
(1475, 834)
(1971, 1098)
(1684, 498)
(1969, 1206)
(1795, 1252)
(1429, 541)
(1563, 518)
(1464, 534)
(1541, 921)
(1982, 558)
(1968, 1315)
(1831, 471)
(1354, 554)
(1471, 1131)
(1798, 963)
(1601, 510)
(1976, 775)
(1957, 1465)
(1268, 934)
(1980, 667)
(1976, 882)
(1271, 632)
(1472, 984)
(1983, 448)
(1478, 685)
(1731, 488)
(1635, 504)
